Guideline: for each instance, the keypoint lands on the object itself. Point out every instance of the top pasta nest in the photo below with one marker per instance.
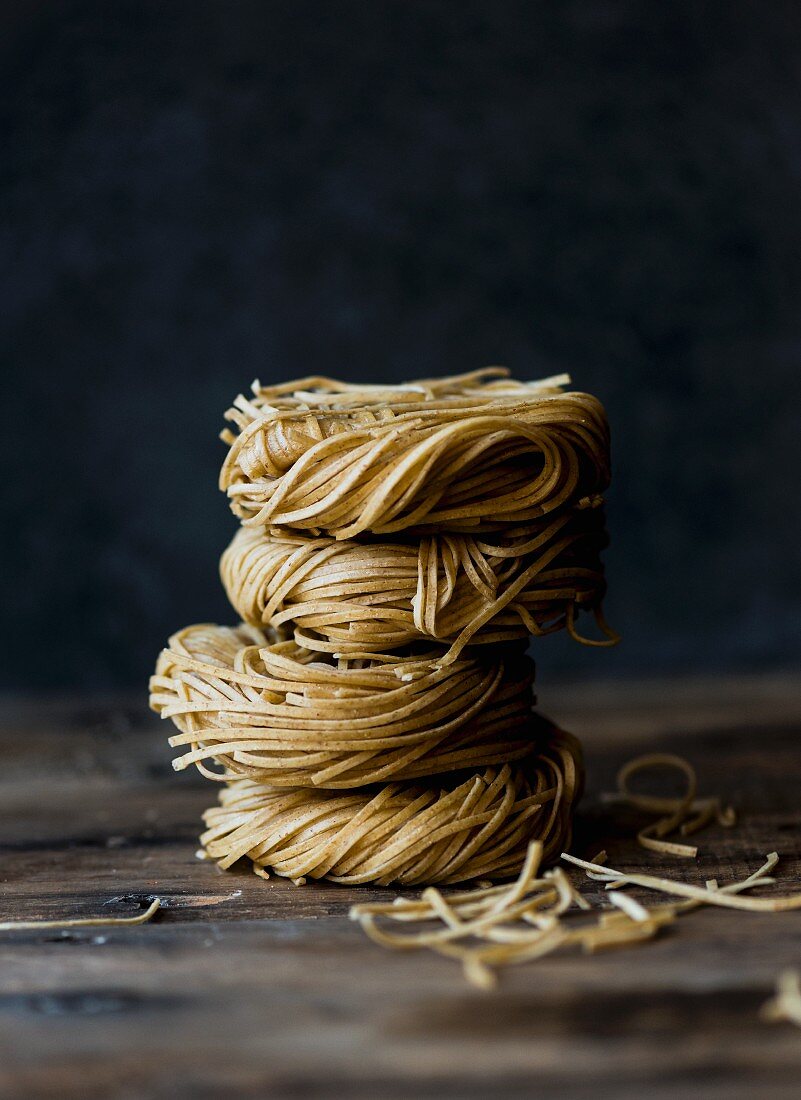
(466, 454)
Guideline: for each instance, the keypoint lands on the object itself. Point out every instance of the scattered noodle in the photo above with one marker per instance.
(281, 714)
(786, 1004)
(474, 453)
(81, 922)
(687, 814)
(475, 827)
(629, 905)
(489, 928)
(723, 896)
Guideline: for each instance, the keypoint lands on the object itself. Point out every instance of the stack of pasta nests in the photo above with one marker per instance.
(370, 719)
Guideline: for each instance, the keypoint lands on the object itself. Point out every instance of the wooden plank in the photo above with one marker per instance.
(251, 988)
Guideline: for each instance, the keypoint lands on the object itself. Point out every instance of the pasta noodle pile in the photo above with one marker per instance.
(370, 719)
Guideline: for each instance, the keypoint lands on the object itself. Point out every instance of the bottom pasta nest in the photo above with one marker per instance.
(478, 826)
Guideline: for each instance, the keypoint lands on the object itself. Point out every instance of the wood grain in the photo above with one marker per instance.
(250, 988)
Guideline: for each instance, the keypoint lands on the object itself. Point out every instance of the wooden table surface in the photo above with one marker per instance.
(242, 987)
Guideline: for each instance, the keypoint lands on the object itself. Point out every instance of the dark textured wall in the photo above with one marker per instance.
(194, 194)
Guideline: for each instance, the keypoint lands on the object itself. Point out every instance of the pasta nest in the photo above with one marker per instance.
(474, 453)
(469, 827)
(350, 598)
(281, 714)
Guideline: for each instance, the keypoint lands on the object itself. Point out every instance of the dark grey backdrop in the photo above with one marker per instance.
(193, 194)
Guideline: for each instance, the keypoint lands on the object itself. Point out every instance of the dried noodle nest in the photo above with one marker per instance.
(469, 828)
(352, 597)
(472, 453)
(278, 713)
